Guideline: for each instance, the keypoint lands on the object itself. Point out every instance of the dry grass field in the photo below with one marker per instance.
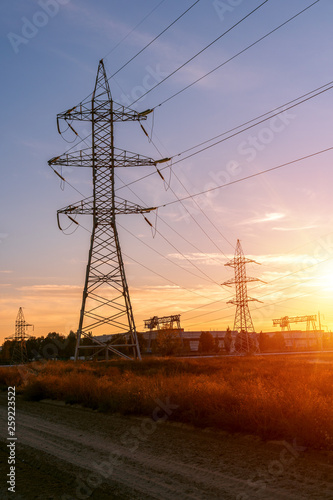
(274, 397)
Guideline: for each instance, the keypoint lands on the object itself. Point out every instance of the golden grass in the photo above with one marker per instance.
(278, 397)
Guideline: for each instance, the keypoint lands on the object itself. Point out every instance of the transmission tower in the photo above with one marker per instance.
(19, 354)
(246, 340)
(106, 306)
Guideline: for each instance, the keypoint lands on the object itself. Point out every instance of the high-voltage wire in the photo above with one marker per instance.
(255, 287)
(268, 115)
(200, 52)
(227, 61)
(172, 228)
(186, 209)
(152, 270)
(248, 177)
(133, 29)
(154, 39)
(219, 300)
(283, 108)
(146, 46)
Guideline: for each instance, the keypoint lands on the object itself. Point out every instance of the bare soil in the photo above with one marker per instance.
(65, 452)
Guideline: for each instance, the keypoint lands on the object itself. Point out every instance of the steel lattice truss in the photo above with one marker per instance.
(106, 306)
(155, 322)
(19, 354)
(246, 339)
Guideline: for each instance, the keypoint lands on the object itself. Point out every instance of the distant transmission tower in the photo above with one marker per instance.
(246, 339)
(106, 306)
(19, 354)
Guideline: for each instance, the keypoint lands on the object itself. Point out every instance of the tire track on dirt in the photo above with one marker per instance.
(165, 465)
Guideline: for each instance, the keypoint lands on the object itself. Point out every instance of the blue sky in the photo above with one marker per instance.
(283, 218)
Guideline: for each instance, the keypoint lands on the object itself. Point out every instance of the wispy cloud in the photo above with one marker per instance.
(269, 217)
(50, 288)
(301, 228)
(204, 258)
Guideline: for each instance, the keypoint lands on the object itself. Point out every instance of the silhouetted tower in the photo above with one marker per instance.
(19, 354)
(246, 339)
(106, 306)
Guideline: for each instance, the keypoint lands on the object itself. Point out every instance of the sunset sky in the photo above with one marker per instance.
(284, 218)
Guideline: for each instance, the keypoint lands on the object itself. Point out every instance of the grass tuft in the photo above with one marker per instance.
(277, 397)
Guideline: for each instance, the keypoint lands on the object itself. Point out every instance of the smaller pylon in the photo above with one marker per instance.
(19, 354)
(246, 340)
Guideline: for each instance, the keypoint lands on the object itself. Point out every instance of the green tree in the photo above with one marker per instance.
(216, 344)
(168, 342)
(7, 351)
(142, 342)
(262, 341)
(68, 349)
(206, 342)
(227, 340)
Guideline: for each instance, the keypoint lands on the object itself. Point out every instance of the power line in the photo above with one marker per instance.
(133, 29)
(248, 177)
(255, 287)
(63, 179)
(192, 291)
(260, 307)
(167, 258)
(282, 108)
(151, 270)
(154, 39)
(199, 207)
(209, 220)
(230, 59)
(201, 51)
(279, 109)
(194, 219)
(173, 229)
(268, 115)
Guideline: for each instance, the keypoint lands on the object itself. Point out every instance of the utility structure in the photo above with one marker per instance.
(285, 321)
(310, 320)
(164, 322)
(19, 354)
(246, 339)
(106, 306)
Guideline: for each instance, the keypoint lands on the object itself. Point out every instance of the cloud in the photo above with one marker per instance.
(302, 228)
(203, 258)
(269, 217)
(50, 288)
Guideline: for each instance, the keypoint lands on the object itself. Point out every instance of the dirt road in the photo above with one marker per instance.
(72, 453)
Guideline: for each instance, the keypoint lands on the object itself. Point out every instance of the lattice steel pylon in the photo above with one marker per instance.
(246, 339)
(106, 306)
(19, 354)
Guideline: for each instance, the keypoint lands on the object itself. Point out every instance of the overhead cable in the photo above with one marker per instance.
(200, 52)
(228, 60)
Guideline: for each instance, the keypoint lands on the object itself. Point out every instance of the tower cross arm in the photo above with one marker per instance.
(236, 261)
(242, 301)
(84, 158)
(87, 207)
(83, 112)
(81, 158)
